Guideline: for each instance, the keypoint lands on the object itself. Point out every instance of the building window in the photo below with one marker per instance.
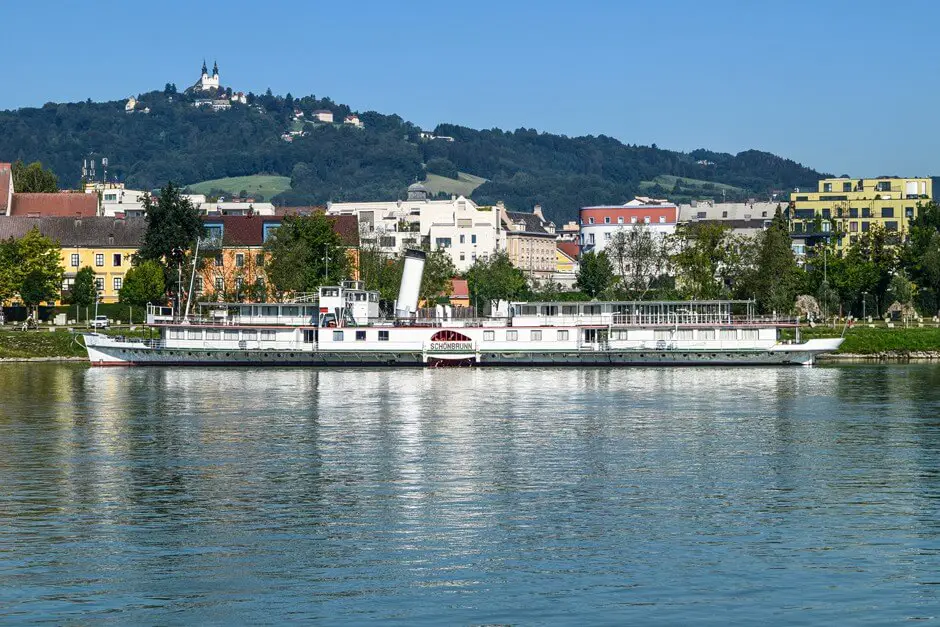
(489, 336)
(473, 239)
(847, 187)
(866, 212)
(646, 219)
(662, 219)
(118, 282)
(853, 212)
(219, 261)
(219, 284)
(239, 260)
(197, 284)
(443, 242)
(607, 220)
(269, 230)
(99, 260)
(633, 220)
(99, 283)
(826, 214)
(908, 212)
(462, 237)
(865, 227)
(75, 260)
(512, 336)
(562, 336)
(239, 281)
(536, 336)
(887, 212)
(462, 256)
(360, 336)
(827, 187)
(891, 226)
(383, 336)
(337, 336)
(116, 260)
(259, 259)
(853, 227)
(607, 236)
(590, 220)
(214, 233)
(724, 214)
(619, 219)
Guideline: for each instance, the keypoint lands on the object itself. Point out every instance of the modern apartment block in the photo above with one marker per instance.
(842, 209)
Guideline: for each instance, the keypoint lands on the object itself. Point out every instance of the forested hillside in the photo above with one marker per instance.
(176, 141)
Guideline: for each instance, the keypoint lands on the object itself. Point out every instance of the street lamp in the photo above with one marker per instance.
(864, 300)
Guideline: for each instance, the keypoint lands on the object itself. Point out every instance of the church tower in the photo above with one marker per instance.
(206, 82)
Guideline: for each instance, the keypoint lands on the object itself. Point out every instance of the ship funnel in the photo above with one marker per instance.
(407, 303)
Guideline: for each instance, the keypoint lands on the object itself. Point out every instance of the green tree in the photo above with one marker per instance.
(34, 270)
(639, 256)
(173, 226)
(33, 178)
(705, 252)
(305, 253)
(595, 274)
(144, 284)
(495, 279)
(8, 274)
(777, 278)
(84, 292)
(438, 271)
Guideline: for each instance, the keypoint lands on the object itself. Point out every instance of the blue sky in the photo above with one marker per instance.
(844, 87)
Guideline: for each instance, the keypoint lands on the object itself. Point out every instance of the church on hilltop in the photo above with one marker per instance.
(206, 82)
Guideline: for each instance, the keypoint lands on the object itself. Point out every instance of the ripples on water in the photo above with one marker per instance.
(469, 496)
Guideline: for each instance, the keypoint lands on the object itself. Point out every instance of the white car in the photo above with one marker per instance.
(99, 322)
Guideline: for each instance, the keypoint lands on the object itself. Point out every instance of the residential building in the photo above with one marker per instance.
(106, 245)
(236, 208)
(353, 120)
(323, 115)
(530, 241)
(131, 104)
(598, 224)
(842, 209)
(743, 218)
(459, 293)
(566, 263)
(117, 201)
(236, 255)
(570, 232)
(467, 231)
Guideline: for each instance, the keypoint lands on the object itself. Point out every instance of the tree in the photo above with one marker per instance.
(144, 284)
(84, 291)
(33, 178)
(33, 268)
(173, 226)
(776, 279)
(305, 253)
(640, 257)
(595, 274)
(438, 271)
(495, 279)
(705, 252)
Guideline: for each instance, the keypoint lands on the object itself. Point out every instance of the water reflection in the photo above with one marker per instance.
(482, 495)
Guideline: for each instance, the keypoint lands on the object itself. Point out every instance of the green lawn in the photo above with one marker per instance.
(461, 186)
(863, 340)
(39, 344)
(264, 185)
(668, 181)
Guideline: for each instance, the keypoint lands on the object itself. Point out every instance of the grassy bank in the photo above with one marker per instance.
(863, 340)
(19, 344)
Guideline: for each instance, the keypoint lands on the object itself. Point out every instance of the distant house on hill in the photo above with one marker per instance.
(131, 105)
(323, 115)
(353, 120)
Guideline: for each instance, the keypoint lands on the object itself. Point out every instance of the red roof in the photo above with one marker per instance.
(6, 186)
(572, 249)
(459, 288)
(66, 204)
(249, 230)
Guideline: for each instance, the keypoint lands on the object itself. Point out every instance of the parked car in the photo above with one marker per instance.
(99, 322)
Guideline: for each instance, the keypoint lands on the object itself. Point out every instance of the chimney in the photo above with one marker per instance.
(537, 210)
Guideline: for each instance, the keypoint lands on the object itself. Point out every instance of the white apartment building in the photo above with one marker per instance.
(461, 227)
(598, 224)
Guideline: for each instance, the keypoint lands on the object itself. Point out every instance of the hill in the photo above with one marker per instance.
(463, 185)
(259, 186)
(177, 141)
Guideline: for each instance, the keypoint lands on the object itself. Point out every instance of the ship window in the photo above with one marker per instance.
(290, 311)
(535, 336)
(489, 336)
(706, 334)
(310, 336)
(213, 334)
(749, 334)
(569, 310)
(176, 334)
(661, 335)
(562, 336)
(250, 334)
(728, 334)
(269, 311)
(194, 334)
(337, 336)
(231, 336)
(268, 336)
(512, 336)
(360, 336)
(383, 336)
(683, 334)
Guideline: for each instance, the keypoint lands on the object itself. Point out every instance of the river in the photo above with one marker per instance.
(477, 496)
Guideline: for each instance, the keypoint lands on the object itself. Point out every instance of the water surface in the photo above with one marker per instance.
(427, 497)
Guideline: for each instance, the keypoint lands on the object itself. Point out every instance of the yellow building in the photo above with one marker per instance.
(106, 245)
(842, 209)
